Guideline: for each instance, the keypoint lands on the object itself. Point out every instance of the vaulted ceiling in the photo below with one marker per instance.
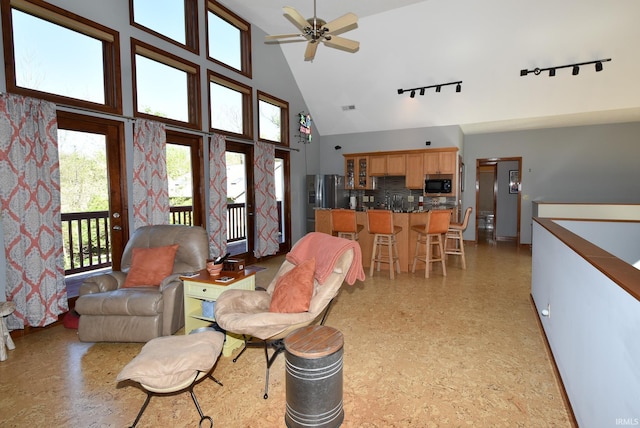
(485, 44)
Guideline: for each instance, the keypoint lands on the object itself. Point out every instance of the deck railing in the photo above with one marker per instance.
(86, 235)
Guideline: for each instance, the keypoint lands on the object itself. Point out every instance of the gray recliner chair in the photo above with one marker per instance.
(111, 313)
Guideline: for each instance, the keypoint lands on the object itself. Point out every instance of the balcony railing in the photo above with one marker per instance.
(86, 235)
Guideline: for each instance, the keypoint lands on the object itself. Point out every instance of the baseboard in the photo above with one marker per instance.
(556, 372)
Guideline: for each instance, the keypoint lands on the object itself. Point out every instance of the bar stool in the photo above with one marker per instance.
(455, 233)
(380, 224)
(343, 222)
(430, 234)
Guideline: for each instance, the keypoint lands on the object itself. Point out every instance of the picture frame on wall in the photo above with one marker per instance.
(514, 181)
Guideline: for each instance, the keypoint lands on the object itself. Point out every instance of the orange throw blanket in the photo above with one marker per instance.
(327, 250)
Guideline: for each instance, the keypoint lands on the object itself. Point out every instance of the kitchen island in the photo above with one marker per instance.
(406, 239)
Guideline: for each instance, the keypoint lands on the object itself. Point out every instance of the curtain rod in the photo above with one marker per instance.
(73, 109)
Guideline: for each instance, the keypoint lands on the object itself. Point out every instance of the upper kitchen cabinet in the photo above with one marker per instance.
(396, 165)
(440, 162)
(393, 164)
(414, 178)
(356, 172)
(377, 166)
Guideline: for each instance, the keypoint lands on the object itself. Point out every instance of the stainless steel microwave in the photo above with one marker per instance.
(440, 185)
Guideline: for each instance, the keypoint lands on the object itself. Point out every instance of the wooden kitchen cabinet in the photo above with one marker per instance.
(440, 162)
(377, 166)
(356, 171)
(396, 165)
(414, 177)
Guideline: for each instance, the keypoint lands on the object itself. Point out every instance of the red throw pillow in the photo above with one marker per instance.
(294, 289)
(149, 266)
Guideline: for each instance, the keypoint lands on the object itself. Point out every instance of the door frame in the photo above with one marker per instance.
(496, 161)
(116, 173)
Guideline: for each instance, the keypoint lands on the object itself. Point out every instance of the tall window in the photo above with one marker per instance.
(185, 178)
(228, 38)
(273, 119)
(173, 20)
(166, 86)
(230, 106)
(55, 55)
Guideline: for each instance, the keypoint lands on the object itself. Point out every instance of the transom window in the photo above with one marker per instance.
(172, 20)
(166, 86)
(228, 38)
(61, 57)
(230, 106)
(273, 119)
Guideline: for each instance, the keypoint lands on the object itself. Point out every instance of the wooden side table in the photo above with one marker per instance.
(204, 288)
(6, 308)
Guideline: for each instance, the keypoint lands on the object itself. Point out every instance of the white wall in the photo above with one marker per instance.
(592, 330)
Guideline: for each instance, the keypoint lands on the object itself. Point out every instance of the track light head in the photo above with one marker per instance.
(576, 70)
(524, 72)
(438, 88)
(400, 91)
(599, 66)
(458, 88)
(537, 71)
(422, 91)
(552, 72)
(413, 94)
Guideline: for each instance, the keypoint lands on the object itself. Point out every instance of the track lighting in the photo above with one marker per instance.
(575, 68)
(424, 88)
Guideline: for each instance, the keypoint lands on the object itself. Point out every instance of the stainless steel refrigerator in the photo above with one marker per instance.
(324, 191)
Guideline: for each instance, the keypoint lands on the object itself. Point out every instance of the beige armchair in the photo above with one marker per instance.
(113, 311)
(248, 312)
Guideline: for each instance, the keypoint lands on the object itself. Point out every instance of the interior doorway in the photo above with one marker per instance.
(498, 199)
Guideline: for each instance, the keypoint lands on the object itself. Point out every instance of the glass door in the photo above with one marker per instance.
(240, 222)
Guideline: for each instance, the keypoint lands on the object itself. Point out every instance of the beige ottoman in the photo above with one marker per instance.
(172, 364)
(6, 308)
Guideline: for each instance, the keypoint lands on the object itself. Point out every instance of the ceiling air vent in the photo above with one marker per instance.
(347, 108)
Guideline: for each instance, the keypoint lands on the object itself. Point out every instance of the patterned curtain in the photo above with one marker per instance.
(266, 215)
(150, 183)
(30, 200)
(217, 219)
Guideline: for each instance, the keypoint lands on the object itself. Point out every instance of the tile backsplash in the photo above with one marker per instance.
(389, 188)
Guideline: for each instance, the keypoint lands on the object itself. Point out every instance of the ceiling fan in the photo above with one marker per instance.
(315, 31)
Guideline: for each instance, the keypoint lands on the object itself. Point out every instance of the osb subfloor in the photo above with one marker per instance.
(464, 350)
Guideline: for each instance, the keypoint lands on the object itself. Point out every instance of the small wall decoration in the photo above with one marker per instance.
(514, 181)
(304, 120)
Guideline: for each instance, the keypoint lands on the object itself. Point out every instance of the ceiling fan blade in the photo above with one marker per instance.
(310, 52)
(343, 24)
(342, 44)
(282, 36)
(296, 19)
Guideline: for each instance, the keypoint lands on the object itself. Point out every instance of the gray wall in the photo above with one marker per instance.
(597, 164)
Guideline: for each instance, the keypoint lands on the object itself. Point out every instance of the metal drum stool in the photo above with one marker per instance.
(314, 377)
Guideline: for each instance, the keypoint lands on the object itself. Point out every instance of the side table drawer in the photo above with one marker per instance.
(203, 291)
